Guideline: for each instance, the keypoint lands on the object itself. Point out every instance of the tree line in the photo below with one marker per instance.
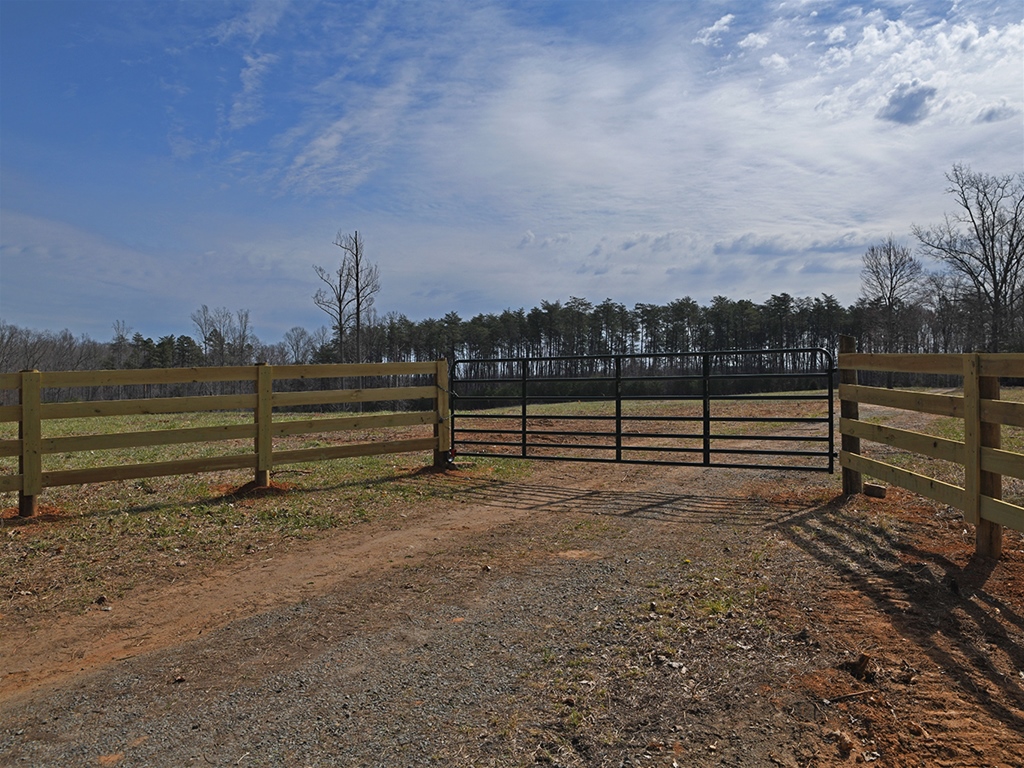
(574, 327)
(971, 300)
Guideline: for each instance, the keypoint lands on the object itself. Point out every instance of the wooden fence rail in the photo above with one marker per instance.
(32, 410)
(980, 453)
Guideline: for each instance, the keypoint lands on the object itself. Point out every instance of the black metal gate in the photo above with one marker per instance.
(728, 409)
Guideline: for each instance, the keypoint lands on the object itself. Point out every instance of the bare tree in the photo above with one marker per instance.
(950, 304)
(273, 354)
(984, 242)
(336, 301)
(349, 296)
(891, 281)
(227, 339)
(891, 274)
(319, 340)
(203, 320)
(365, 285)
(242, 342)
(119, 344)
(8, 341)
(27, 349)
(299, 344)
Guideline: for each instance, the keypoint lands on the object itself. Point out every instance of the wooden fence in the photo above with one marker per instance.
(979, 454)
(256, 385)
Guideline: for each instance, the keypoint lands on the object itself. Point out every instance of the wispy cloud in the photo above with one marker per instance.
(248, 104)
(495, 155)
(261, 19)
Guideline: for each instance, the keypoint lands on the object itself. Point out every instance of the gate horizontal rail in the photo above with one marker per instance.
(599, 408)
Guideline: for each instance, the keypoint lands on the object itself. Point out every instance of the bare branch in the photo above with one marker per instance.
(983, 241)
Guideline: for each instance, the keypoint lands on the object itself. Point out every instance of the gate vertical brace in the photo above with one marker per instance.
(706, 392)
(618, 408)
(523, 374)
(832, 373)
(451, 407)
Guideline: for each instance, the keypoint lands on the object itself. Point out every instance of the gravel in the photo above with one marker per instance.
(478, 658)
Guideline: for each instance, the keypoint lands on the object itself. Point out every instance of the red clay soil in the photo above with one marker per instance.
(45, 513)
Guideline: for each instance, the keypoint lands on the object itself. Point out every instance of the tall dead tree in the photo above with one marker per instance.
(349, 295)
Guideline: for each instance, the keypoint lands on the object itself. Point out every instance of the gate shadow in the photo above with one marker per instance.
(652, 505)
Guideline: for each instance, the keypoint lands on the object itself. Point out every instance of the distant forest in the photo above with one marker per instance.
(936, 323)
(973, 301)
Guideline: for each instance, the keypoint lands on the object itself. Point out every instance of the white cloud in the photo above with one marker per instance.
(836, 35)
(902, 74)
(712, 35)
(590, 140)
(53, 269)
(775, 61)
(754, 41)
(338, 153)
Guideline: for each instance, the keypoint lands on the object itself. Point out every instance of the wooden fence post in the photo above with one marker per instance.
(989, 535)
(849, 409)
(264, 415)
(30, 461)
(442, 431)
(978, 435)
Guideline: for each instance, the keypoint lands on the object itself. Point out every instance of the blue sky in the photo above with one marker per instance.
(158, 156)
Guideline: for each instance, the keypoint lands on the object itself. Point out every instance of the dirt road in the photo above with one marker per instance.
(582, 617)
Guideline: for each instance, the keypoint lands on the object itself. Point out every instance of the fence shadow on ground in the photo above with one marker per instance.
(944, 609)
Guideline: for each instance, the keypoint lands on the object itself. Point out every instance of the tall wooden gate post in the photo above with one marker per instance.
(849, 409)
(264, 418)
(979, 435)
(30, 461)
(442, 431)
